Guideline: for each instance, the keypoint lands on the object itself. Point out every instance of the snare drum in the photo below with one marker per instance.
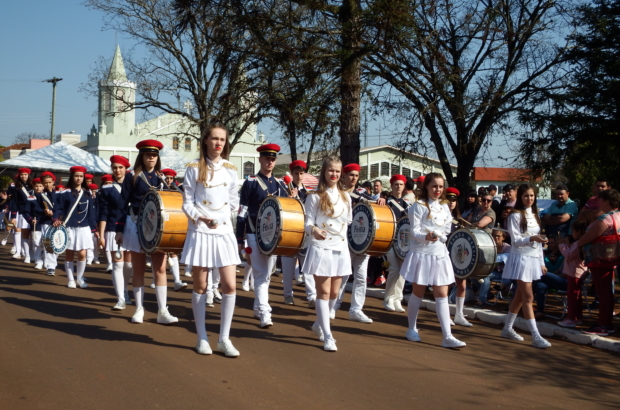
(280, 226)
(162, 224)
(373, 229)
(472, 252)
(55, 239)
(401, 243)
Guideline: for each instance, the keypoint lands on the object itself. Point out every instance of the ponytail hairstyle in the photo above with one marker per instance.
(520, 208)
(325, 205)
(203, 167)
(424, 191)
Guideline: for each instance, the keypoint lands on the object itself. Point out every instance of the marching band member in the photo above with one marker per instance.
(106, 179)
(88, 178)
(328, 214)
(395, 283)
(296, 190)
(254, 190)
(209, 197)
(525, 263)
(93, 254)
(135, 185)
(111, 211)
(428, 263)
(173, 259)
(34, 214)
(74, 209)
(47, 199)
(351, 174)
(20, 195)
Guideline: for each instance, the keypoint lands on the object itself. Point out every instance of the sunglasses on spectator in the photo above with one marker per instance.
(486, 200)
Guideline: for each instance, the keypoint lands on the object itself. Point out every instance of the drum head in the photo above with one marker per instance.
(58, 239)
(150, 222)
(269, 222)
(463, 250)
(401, 244)
(361, 232)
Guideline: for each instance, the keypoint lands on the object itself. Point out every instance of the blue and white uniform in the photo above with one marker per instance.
(81, 223)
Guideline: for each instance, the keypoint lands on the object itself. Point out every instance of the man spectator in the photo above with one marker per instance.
(497, 199)
(509, 201)
(377, 187)
(409, 195)
(561, 213)
(590, 210)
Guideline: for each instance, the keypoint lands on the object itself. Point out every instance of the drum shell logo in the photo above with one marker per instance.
(402, 242)
(267, 230)
(150, 222)
(362, 230)
(463, 253)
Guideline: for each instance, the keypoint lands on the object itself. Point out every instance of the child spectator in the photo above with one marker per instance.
(574, 270)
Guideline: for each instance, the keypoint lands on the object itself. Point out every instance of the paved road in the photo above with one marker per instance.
(65, 349)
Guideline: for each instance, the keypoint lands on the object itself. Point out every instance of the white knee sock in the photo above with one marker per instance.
(138, 295)
(162, 293)
(108, 257)
(412, 311)
(510, 320)
(118, 280)
(198, 306)
(81, 267)
(459, 306)
(322, 317)
(69, 270)
(443, 314)
(127, 270)
(228, 309)
(531, 324)
(247, 272)
(332, 303)
(17, 243)
(174, 268)
(89, 255)
(26, 247)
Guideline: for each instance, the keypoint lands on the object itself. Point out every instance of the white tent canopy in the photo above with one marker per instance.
(58, 157)
(173, 160)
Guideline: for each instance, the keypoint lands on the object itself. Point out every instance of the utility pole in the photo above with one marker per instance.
(53, 81)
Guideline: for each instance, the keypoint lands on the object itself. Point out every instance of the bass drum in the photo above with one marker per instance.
(372, 230)
(472, 252)
(162, 224)
(55, 239)
(280, 226)
(401, 243)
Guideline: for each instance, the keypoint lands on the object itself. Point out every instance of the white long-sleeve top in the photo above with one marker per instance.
(440, 222)
(335, 226)
(521, 240)
(214, 199)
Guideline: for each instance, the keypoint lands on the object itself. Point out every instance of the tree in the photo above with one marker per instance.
(464, 69)
(204, 62)
(25, 137)
(577, 127)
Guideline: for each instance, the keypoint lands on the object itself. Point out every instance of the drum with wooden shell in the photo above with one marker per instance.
(372, 230)
(280, 226)
(162, 224)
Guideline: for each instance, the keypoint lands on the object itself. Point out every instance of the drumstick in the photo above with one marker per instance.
(467, 223)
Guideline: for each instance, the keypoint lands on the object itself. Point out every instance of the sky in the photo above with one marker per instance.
(40, 40)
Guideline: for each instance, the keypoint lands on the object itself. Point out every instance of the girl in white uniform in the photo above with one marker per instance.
(525, 263)
(328, 214)
(210, 195)
(427, 263)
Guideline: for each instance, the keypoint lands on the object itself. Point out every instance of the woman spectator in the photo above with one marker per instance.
(602, 274)
(483, 217)
(574, 270)
(470, 203)
(553, 279)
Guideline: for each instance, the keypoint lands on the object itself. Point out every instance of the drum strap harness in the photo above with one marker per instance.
(117, 186)
(396, 204)
(73, 207)
(46, 199)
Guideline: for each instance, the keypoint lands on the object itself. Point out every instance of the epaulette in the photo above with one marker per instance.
(107, 186)
(229, 166)
(65, 190)
(251, 178)
(192, 164)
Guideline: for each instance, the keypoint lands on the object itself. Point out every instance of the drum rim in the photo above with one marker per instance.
(374, 229)
(160, 221)
(395, 235)
(277, 198)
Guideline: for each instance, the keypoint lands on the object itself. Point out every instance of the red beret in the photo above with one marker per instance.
(49, 174)
(24, 171)
(169, 172)
(351, 167)
(269, 150)
(150, 146)
(107, 178)
(93, 186)
(287, 179)
(453, 192)
(88, 176)
(398, 177)
(77, 169)
(36, 181)
(59, 187)
(420, 179)
(119, 159)
(295, 164)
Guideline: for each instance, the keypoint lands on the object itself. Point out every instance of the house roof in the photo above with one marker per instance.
(14, 147)
(500, 174)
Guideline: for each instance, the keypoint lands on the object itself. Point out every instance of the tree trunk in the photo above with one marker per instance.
(292, 138)
(350, 83)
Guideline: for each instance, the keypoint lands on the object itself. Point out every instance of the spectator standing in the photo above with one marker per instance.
(590, 210)
(509, 201)
(368, 187)
(409, 195)
(483, 217)
(471, 201)
(574, 270)
(561, 213)
(377, 188)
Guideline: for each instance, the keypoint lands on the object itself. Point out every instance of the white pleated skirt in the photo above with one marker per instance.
(21, 222)
(428, 270)
(79, 238)
(209, 250)
(523, 268)
(110, 242)
(327, 262)
(130, 237)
